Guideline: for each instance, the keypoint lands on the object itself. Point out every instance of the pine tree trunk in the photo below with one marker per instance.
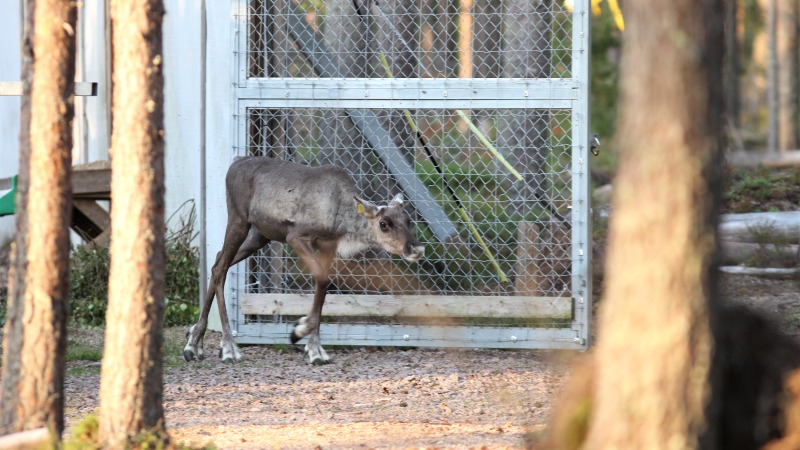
(131, 387)
(12, 332)
(732, 72)
(38, 399)
(786, 50)
(654, 351)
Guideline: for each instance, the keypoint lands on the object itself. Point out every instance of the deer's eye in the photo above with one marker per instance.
(384, 225)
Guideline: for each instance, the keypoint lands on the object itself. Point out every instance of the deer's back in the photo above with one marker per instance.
(276, 195)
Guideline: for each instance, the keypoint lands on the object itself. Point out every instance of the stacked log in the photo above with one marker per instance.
(766, 238)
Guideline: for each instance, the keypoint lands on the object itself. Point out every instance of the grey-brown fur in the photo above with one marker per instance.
(317, 211)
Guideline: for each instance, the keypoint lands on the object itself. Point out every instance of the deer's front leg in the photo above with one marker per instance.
(320, 263)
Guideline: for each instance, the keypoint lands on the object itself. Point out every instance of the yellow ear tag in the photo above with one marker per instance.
(360, 208)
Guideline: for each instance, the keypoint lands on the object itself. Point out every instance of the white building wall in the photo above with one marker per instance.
(9, 106)
(182, 70)
(183, 92)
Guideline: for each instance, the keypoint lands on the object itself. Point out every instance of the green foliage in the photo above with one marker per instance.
(84, 353)
(182, 288)
(605, 72)
(85, 435)
(89, 266)
(88, 284)
(485, 198)
(759, 190)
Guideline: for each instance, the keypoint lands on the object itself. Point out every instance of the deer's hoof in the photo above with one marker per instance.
(229, 353)
(316, 355)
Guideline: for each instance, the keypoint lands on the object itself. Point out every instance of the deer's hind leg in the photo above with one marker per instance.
(246, 245)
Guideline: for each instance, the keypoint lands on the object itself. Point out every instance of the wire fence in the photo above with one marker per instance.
(492, 195)
(426, 39)
(524, 223)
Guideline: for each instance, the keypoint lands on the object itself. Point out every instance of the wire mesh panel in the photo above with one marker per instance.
(457, 105)
(420, 38)
(523, 222)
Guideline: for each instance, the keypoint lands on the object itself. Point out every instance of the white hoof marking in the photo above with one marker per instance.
(302, 329)
(316, 355)
(230, 352)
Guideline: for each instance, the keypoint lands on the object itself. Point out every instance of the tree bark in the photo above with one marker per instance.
(732, 67)
(773, 116)
(12, 333)
(654, 350)
(131, 387)
(38, 399)
(674, 367)
(786, 50)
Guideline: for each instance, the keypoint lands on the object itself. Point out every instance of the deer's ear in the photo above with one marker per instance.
(366, 208)
(397, 201)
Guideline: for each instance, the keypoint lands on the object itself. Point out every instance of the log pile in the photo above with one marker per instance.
(761, 244)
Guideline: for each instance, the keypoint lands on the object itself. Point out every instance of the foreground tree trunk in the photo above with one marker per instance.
(131, 386)
(654, 348)
(674, 367)
(38, 395)
(653, 356)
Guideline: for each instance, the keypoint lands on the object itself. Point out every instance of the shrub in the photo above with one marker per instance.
(89, 265)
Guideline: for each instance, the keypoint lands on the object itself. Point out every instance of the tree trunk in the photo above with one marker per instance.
(786, 50)
(12, 333)
(653, 356)
(732, 70)
(773, 131)
(131, 383)
(38, 399)
(674, 367)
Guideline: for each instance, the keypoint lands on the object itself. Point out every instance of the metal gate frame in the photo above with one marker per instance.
(229, 92)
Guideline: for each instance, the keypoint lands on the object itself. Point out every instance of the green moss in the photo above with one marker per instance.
(578, 425)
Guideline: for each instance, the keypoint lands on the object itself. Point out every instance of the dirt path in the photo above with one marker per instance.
(366, 399)
(373, 398)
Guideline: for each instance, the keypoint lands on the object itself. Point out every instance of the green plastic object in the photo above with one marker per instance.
(8, 200)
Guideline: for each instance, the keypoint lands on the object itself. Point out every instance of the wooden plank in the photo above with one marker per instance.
(92, 184)
(36, 438)
(762, 272)
(732, 253)
(391, 335)
(429, 306)
(90, 220)
(92, 180)
(789, 158)
(752, 227)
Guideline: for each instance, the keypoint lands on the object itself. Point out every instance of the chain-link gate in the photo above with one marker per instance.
(477, 111)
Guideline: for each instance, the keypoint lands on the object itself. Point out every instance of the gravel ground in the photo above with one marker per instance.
(372, 397)
(367, 398)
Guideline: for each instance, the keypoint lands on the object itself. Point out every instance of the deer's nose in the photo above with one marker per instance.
(413, 251)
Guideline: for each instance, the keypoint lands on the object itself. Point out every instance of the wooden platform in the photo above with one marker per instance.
(90, 183)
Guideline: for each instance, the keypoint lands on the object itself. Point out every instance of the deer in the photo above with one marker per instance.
(315, 210)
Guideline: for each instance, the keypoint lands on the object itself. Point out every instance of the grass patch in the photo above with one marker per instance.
(79, 352)
(82, 371)
(86, 436)
(761, 190)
